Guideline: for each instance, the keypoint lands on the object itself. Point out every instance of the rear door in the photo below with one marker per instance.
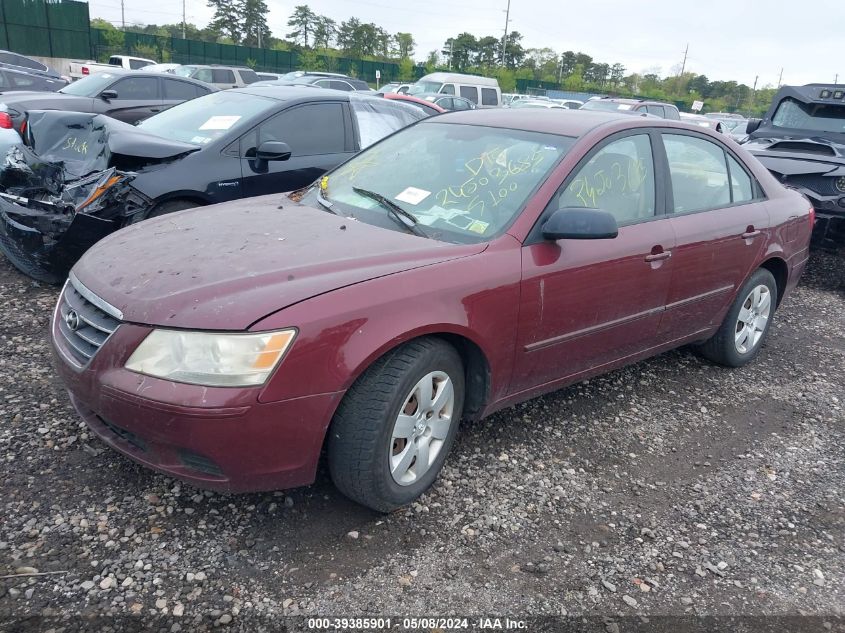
(588, 303)
(319, 135)
(137, 99)
(720, 222)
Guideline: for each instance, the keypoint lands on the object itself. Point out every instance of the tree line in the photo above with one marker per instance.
(318, 38)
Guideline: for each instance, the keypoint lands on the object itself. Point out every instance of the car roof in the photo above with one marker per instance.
(560, 121)
(293, 92)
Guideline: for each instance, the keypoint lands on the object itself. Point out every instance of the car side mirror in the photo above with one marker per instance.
(108, 95)
(752, 125)
(575, 223)
(273, 150)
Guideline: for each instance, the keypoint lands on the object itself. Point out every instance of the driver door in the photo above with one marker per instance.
(588, 303)
(319, 135)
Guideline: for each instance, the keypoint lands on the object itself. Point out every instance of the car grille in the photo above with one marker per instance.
(85, 321)
(822, 185)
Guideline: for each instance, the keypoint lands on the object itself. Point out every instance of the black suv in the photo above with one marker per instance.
(634, 106)
(801, 140)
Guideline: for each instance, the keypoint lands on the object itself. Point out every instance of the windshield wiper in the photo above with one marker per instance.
(396, 212)
(328, 206)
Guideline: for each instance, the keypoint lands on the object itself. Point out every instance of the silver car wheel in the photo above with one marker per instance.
(421, 428)
(753, 319)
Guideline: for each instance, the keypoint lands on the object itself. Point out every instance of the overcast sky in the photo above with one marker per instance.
(728, 39)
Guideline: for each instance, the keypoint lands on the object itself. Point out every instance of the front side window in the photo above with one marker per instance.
(448, 89)
(136, 88)
(135, 64)
(656, 110)
(340, 85)
(203, 74)
(618, 179)
(460, 104)
(463, 183)
(470, 92)
(310, 129)
(698, 171)
(249, 76)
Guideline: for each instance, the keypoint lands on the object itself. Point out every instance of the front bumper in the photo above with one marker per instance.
(215, 438)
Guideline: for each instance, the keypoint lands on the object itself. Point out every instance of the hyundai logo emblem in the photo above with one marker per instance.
(72, 320)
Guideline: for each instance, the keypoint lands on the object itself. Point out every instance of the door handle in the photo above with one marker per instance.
(155, 109)
(656, 257)
(750, 234)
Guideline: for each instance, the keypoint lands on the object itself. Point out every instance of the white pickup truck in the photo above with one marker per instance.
(78, 70)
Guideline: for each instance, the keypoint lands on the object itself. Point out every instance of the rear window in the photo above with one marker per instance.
(489, 97)
(819, 117)
(20, 60)
(470, 92)
(598, 104)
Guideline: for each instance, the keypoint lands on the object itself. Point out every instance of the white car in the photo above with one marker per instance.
(161, 68)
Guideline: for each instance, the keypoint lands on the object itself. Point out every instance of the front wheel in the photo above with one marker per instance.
(740, 337)
(395, 426)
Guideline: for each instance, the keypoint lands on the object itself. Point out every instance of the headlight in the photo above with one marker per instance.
(840, 184)
(211, 359)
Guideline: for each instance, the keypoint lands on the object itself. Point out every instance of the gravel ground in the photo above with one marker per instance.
(671, 487)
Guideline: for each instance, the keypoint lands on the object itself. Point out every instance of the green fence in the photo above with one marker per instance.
(179, 51)
(45, 27)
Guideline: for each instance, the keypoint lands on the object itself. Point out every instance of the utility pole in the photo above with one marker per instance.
(780, 78)
(684, 63)
(183, 20)
(451, 52)
(122, 17)
(505, 36)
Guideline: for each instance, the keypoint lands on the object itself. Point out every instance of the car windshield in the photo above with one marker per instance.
(89, 86)
(463, 183)
(184, 71)
(818, 117)
(425, 86)
(598, 104)
(207, 118)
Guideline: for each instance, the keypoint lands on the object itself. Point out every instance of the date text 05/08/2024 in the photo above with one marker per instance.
(424, 623)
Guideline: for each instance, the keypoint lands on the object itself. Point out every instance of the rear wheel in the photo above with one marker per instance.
(740, 337)
(395, 426)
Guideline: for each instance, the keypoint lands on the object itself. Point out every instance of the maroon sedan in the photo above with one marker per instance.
(464, 264)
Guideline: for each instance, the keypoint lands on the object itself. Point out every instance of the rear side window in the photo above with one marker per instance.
(489, 97)
(135, 64)
(136, 88)
(248, 76)
(222, 76)
(447, 89)
(310, 129)
(460, 104)
(741, 184)
(656, 110)
(698, 172)
(22, 81)
(672, 113)
(340, 85)
(179, 90)
(470, 92)
(378, 119)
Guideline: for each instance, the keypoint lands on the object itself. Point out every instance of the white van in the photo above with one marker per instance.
(484, 92)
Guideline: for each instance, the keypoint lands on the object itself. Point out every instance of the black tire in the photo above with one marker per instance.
(360, 436)
(721, 348)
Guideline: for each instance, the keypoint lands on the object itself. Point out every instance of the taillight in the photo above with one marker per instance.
(85, 70)
(5, 121)
(812, 217)
(23, 128)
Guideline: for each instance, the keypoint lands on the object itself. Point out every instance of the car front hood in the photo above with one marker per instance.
(226, 266)
(791, 155)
